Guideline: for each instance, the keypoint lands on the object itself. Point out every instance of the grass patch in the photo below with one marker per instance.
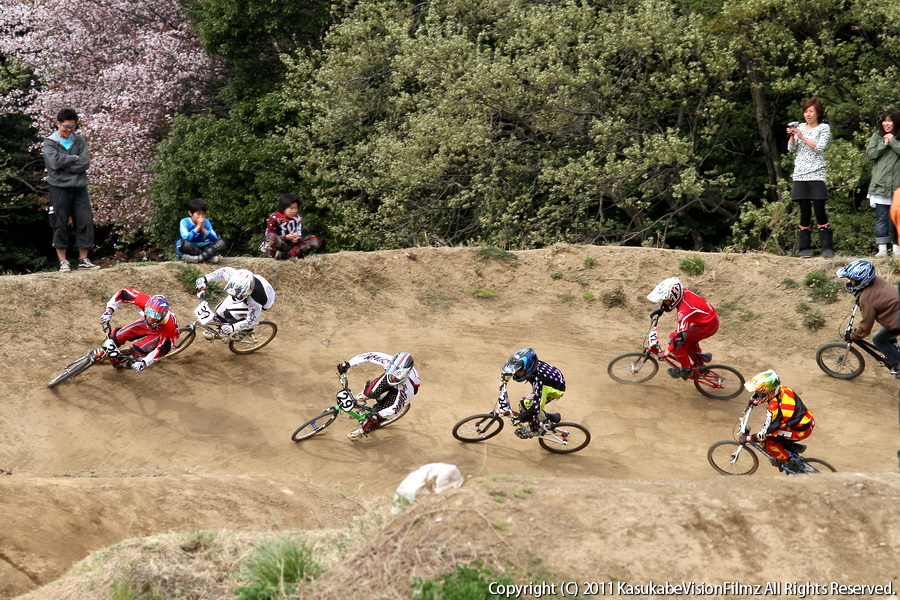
(589, 262)
(463, 583)
(556, 275)
(436, 300)
(493, 253)
(567, 297)
(276, 569)
(614, 297)
(588, 297)
(735, 309)
(693, 265)
(480, 293)
(821, 288)
(789, 283)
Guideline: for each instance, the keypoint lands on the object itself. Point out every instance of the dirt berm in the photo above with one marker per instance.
(202, 441)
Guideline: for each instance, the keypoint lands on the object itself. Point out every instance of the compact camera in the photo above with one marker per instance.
(793, 124)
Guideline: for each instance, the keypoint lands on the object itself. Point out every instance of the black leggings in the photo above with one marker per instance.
(806, 212)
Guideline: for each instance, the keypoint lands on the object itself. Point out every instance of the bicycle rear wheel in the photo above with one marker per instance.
(315, 425)
(721, 456)
(185, 338)
(565, 438)
(817, 465)
(719, 381)
(263, 333)
(839, 360)
(633, 367)
(478, 428)
(74, 368)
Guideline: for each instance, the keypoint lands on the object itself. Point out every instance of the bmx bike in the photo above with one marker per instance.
(347, 403)
(93, 356)
(733, 458)
(239, 342)
(842, 360)
(711, 380)
(554, 435)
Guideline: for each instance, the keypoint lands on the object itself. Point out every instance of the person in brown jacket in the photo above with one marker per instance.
(879, 301)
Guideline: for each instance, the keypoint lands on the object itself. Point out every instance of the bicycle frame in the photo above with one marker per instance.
(544, 419)
(204, 316)
(793, 456)
(866, 345)
(348, 403)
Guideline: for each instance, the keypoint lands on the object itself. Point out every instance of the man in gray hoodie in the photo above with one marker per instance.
(68, 158)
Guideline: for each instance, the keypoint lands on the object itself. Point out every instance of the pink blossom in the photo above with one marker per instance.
(126, 66)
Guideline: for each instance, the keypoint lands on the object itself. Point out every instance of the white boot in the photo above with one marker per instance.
(896, 251)
(355, 434)
(882, 251)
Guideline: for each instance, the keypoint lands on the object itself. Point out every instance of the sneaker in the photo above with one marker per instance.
(214, 260)
(190, 258)
(64, 266)
(86, 264)
(676, 373)
(896, 251)
(827, 253)
(806, 253)
(882, 251)
(356, 434)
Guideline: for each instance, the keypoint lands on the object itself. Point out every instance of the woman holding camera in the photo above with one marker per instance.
(809, 141)
(884, 152)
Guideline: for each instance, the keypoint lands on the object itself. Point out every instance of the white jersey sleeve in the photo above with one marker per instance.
(376, 358)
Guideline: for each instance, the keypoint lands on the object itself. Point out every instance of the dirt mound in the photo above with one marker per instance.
(203, 439)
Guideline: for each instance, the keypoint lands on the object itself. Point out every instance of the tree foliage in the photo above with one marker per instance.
(239, 174)
(514, 123)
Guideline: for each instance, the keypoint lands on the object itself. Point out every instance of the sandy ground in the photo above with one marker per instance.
(203, 439)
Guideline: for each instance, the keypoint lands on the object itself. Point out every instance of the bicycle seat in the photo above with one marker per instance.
(794, 447)
(704, 356)
(553, 417)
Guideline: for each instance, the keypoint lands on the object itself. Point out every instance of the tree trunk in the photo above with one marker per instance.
(764, 125)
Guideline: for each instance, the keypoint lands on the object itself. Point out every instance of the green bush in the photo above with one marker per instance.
(188, 275)
(821, 288)
(465, 583)
(812, 319)
(589, 262)
(694, 265)
(614, 297)
(276, 569)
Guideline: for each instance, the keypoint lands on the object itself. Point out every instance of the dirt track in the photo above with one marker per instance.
(202, 440)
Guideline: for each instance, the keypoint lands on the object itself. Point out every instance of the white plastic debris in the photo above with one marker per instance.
(434, 477)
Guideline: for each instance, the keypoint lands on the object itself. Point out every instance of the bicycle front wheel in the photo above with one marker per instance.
(478, 428)
(839, 360)
(315, 425)
(633, 367)
(816, 465)
(565, 438)
(719, 381)
(186, 336)
(74, 368)
(728, 458)
(263, 333)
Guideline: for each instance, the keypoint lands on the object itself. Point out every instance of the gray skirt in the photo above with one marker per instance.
(809, 190)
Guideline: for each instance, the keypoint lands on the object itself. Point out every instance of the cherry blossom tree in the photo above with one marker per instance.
(127, 66)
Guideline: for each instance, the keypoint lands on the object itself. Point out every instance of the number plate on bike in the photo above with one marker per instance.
(204, 313)
(346, 400)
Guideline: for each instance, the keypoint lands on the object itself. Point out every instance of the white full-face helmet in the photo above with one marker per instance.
(667, 294)
(240, 285)
(399, 368)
